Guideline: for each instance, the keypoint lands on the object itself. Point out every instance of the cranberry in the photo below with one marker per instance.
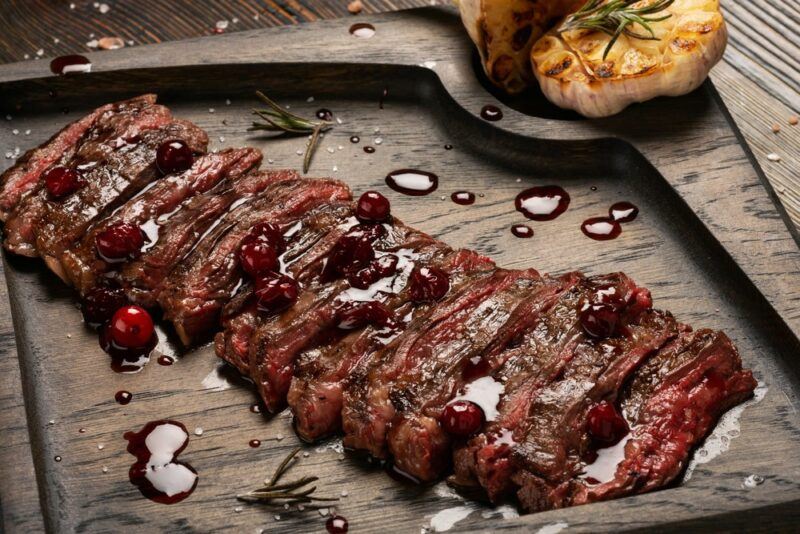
(61, 181)
(600, 320)
(257, 258)
(268, 234)
(131, 327)
(353, 315)
(462, 418)
(119, 242)
(377, 269)
(372, 207)
(336, 524)
(428, 284)
(275, 292)
(606, 425)
(353, 251)
(174, 156)
(100, 303)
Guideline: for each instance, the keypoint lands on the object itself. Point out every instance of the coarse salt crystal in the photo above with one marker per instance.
(100, 446)
(198, 431)
(310, 99)
(773, 157)
(221, 24)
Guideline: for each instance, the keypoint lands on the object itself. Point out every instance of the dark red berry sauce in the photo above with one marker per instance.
(336, 524)
(542, 203)
(623, 212)
(123, 397)
(428, 284)
(601, 228)
(70, 64)
(491, 113)
(412, 182)
(522, 230)
(464, 198)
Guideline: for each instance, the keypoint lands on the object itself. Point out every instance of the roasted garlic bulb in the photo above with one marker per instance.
(504, 32)
(578, 70)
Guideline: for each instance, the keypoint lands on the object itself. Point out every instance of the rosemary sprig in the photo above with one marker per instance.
(278, 119)
(613, 17)
(288, 493)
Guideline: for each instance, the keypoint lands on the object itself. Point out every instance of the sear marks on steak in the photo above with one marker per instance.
(312, 320)
(303, 259)
(19, 180)
(210, 275)
(556, 366)
(96, 156)
(432, 356)
(179, 232)
(672, 403)
(316, 394)
(82, 264)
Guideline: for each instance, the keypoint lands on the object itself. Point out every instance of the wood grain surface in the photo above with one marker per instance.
(678, 258)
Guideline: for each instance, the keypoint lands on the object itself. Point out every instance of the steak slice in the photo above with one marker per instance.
(672, 403)
(316, 393)
(179, 232)
(210, 275)
(83, 266)
(550, 376)
(477, 320)
(17, 181)
(277, 343)
(106, 151)
(240, 316)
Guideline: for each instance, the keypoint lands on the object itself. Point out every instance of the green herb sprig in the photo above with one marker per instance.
(279, 119)
(615, 17)
(289, 493)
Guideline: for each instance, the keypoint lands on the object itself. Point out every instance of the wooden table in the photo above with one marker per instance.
(759, 85)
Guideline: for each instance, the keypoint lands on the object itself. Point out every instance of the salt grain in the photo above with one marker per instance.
(344, 493)
(310, 99)
(286, 506)
(270, 160)
(306, 455)
(773, 157)
(105, 469)
(93, 43)
(198, 431)
(227, 101)
(51, 422)
(104, 8)
(211, 110)
(27, 132)
(299, 152)
(338, 120)
(277, 517)
(56, 40)
(330, 150)
(238, 509)
(221, 24)
(335, 168)
(234, 20)
(323, 512)
(221, 139)
(15, 131)
(100, 446)
(72, 6)
(279, 437)
(340, 147)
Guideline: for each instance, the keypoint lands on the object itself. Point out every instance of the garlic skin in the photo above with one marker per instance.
(573, 74)
(504, 32)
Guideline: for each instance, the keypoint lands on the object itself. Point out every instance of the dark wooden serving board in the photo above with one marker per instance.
(711, 243)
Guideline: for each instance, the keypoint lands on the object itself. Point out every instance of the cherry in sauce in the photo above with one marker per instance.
(373, 207)
(61, 182)
(123, 359)
(623, 212)
(605, 424)
(542, 203)
(131, 327)
(174, 156)
(378, 268)
(464, 198)
(336, 524)
(119, 242)
(257, 258)
(462, 418)
(491, 113)
(428, 284)
(275, 292)
(100, 303)
(522, 230)
(70, 64)
(123, 397)
(601, 228)
(354, 315)
(156, 472)
(267, 233)
(353, 251)
(412, 182)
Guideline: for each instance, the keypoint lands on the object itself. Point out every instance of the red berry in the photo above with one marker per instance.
(257, 258)
(131, 327)
(600, 320)
(377, 269)
(268, 234)
(353, 251)
(174, 156)
(336, 524)
(462, 418)
(61, 181)
(373, 207)
(120, 242)
(353, 315)
(605, 424)
(275, 292)
(428, 284)
(100, 303)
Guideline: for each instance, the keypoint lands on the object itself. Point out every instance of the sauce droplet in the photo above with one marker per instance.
(623, 212)
(325, 114)
(601, 228)
(491, 113)
(362, 30)
(123, 397)
(254, 443)
(465, 198)
(369, 149)
(354, 139)
(255, 408)
(165, 360)
(448, 147)
(543, 203)
(412, 182)
(336, 524)
(522, 230)
(70, 64)
(57, 458)
(156, 472)
(384, 94)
